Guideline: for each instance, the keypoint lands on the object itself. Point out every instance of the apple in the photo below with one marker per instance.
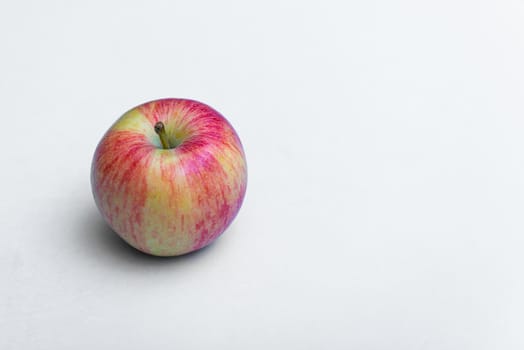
(169, 176)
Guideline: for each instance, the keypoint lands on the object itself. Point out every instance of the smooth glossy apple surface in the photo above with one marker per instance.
(169, 201)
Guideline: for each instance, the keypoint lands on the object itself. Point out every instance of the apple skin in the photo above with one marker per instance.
(169, 202)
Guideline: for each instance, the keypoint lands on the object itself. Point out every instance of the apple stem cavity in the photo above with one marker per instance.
(161, 131)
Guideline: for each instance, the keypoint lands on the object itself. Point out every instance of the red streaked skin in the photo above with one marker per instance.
(169, 202)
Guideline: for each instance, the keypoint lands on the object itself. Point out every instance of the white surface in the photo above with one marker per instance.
(386, 175)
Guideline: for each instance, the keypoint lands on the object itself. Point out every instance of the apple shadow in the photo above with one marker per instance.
(99, 239)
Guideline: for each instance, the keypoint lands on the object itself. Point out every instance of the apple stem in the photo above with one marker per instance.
(161, 131)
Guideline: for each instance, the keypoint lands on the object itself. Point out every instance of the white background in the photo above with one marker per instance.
(385, 204)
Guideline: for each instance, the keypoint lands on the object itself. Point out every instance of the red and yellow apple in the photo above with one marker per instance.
(169, 176)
